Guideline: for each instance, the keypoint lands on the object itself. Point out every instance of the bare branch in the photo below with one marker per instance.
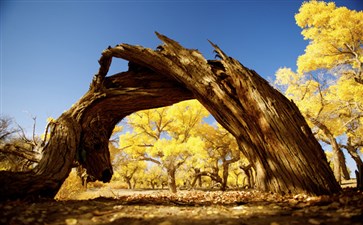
(27, 154)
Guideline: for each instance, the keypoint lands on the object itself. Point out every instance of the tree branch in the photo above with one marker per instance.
(144, 158)
(31, 156)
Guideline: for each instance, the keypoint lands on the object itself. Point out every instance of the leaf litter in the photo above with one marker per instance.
(191, 207)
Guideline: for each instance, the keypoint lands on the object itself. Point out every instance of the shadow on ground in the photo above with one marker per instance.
(191, 207)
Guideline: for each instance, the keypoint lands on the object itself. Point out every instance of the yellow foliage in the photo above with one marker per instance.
(176, 139)
(117, 129)
(348, 90)
(335, 35)
(285, 76)
(333, 103)
(167, 135)
(51, 120)
(303, 90)
(70, 187)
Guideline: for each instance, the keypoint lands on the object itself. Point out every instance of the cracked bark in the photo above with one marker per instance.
(269, 128)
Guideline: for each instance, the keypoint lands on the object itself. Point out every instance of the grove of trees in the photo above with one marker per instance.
(181, 144)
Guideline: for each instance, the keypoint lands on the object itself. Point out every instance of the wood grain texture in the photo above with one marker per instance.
(269, 129)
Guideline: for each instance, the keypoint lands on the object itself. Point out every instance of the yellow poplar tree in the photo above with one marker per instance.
(236, 175)
(129, 169)
(222, 150)
(335, 37)
(156, 177)
(327, 86)
(191, 169)
(166, 136)
(330, 107)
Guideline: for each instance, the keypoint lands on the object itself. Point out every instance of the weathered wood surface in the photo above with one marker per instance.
(269, 128)
(82, 133)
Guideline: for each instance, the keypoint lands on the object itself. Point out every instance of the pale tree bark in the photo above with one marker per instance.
(269, 128)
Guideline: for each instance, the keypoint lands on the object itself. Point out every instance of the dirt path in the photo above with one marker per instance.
(191, 207)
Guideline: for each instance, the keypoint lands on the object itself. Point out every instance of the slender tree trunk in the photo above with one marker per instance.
(340, 167)
(359, 175)
(82, 174)
(197, 178)
(200, 182)
(339, 158)
(343, 164)
(128, 182)
(133, 186)
(225, 177)
(152, 185)
(249, 175)
(336, 161)
(269, 128)
(226, 164)
(172, 180)
(353, 152)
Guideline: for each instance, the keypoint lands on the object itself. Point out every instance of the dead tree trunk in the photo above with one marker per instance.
(83, 132)
(268, 127)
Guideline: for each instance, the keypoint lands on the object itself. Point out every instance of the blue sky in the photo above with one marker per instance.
(49, 49)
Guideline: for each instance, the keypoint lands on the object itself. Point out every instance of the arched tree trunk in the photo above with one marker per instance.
(268, 127)
(54, 167)
(82, 133)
